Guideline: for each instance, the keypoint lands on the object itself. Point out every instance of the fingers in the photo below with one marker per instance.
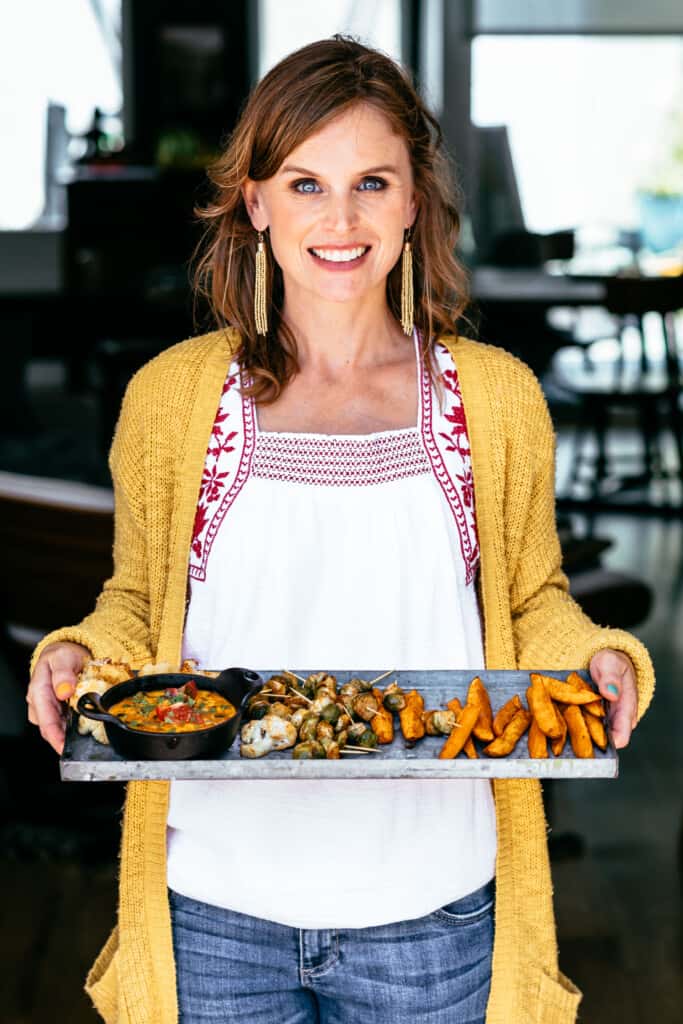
(45, 712)
(615, 677)
(54, 680)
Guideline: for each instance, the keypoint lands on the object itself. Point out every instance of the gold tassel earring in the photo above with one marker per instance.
(260, 310)
(407, 312)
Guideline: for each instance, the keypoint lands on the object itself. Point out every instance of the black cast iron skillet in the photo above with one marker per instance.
(235, 684)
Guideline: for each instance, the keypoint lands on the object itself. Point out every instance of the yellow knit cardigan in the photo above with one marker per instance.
(530, 621)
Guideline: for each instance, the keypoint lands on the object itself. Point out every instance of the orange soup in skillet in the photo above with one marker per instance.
(178, 709)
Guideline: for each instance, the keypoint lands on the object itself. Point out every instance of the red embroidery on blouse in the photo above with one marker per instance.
(226, 469)
(339, 461)
(440, 445)
(450, 456)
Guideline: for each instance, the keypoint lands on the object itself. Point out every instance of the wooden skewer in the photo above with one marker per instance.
(360, 750)
(286, 672)
(383, 676)
(284, 696)
(302, 695)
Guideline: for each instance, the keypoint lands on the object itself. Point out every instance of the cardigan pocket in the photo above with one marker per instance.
(558, 1000)
(102, 981)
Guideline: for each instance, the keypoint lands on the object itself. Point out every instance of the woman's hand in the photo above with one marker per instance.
(615, 676)
(54, 680)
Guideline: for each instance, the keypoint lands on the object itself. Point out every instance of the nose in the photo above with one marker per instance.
(340, 213)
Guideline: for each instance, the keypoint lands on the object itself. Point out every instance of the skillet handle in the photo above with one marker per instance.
(89, 706)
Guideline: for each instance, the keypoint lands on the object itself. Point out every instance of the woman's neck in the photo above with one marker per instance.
(337, 336)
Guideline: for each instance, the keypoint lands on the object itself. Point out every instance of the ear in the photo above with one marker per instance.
(253, 200)
(413, 207)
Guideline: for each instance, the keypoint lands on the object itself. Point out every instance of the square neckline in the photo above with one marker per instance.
(316, 435)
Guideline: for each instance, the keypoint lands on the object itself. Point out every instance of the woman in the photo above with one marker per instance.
(299, 488)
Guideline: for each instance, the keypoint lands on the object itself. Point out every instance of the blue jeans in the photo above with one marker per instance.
(433, 970)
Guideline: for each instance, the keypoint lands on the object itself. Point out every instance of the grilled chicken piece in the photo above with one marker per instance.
(261, 736)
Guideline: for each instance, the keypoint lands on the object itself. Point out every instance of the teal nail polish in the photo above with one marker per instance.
(613, 689)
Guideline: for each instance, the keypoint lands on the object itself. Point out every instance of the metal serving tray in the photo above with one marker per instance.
(86, 760)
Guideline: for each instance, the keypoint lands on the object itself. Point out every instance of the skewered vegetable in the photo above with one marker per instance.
(308, 728)
(349, 691)
(383, 722)
(299, 716)
(367, 739)
(257, 707)
(280, 709)
(323, 700)
(343, 722)
(411, 717)
(394, 698)
(365, 705)
(278, 684)
(331, 748)
(331, 713)
(323, 681)
(310, 749)
(324, 731)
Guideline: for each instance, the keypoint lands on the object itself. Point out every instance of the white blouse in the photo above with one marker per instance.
(334, 552)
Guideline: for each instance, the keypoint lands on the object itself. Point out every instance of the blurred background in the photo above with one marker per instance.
(565, 124)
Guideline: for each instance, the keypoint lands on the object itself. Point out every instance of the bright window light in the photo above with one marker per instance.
(284, 27)
(588, 120)
(48, 52)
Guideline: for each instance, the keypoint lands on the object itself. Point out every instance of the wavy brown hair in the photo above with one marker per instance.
(298, 97)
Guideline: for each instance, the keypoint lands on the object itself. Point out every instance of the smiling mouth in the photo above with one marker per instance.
(350, 255)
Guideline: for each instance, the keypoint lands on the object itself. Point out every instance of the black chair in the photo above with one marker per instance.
(651, 397)
(56, 553)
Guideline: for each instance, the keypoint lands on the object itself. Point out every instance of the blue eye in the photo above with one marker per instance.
(306, 186)
(372, 184)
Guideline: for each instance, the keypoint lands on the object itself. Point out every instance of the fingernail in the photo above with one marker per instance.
(612, 689)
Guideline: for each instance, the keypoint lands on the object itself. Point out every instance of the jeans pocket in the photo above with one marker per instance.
(469, 909)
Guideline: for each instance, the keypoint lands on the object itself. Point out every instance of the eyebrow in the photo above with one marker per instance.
(384, 169)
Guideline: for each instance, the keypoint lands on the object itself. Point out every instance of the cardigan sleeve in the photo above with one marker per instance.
(550, 629)
(118, 627)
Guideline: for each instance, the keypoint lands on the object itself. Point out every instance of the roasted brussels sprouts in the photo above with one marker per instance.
(257, 707)
(280, 709)
(349, 691)
(310, 749)
(324, 730)
(394, 698)
(368, 739)
(331, 713)
(308, 728)
(365, 706)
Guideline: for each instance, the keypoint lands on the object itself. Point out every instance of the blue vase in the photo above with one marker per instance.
(661, 220)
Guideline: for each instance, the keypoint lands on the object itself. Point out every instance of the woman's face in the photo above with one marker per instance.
(337, 208)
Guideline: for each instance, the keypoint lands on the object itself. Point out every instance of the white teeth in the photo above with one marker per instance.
(340, 255)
